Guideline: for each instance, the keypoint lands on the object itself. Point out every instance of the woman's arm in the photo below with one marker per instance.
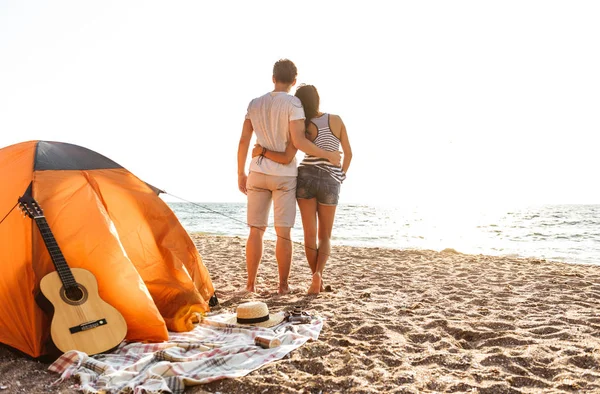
(346, 148)
(278, 157)
(297, 131)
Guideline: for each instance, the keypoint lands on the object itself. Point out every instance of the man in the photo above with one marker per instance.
(273, 117)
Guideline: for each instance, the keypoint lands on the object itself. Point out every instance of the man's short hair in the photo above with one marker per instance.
(285, 71)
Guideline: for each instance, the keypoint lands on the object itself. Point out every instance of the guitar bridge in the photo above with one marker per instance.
(87, 326)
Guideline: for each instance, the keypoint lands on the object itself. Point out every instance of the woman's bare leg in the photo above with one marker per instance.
(308, 211)
(326, 216)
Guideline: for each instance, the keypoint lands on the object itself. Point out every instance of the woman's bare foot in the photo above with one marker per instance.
(283, 290)
(316, 285)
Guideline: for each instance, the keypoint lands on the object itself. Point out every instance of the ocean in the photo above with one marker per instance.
(567, 233)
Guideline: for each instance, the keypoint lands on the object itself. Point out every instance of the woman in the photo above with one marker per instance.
(319, 181)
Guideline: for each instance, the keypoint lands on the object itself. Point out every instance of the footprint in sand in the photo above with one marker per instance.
(422, 338)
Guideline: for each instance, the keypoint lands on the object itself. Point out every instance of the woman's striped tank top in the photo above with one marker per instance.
(325, 140)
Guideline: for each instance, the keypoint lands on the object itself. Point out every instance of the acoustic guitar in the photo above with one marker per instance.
(82, 320)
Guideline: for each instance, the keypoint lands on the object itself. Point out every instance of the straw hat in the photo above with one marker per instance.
(255, 313)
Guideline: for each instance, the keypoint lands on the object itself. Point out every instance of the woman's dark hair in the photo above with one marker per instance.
(309, 97)
(285, 71)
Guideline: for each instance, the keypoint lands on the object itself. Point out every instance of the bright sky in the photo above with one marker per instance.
(444, 101)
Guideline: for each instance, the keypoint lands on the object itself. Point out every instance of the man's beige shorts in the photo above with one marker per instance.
(263, 188)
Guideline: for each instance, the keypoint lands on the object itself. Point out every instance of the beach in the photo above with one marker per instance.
(405, 321)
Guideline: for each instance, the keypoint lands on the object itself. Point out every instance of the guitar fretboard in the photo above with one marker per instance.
(62, 268)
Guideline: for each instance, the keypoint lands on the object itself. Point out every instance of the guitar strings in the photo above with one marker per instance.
(51, 244)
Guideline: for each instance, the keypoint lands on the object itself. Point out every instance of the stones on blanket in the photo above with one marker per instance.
(299, 319)
(298, 316)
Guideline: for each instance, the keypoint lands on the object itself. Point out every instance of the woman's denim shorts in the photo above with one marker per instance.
(316, 183)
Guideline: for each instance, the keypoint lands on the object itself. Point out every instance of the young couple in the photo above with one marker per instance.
(283, 124)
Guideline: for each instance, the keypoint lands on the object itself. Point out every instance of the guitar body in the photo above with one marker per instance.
(82, 320)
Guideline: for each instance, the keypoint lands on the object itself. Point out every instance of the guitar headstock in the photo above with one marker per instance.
(30, 207)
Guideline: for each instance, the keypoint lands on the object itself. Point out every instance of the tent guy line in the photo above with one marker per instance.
(240, 221)
(12, 209)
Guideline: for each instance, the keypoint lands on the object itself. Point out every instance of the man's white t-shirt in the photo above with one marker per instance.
(270, 115)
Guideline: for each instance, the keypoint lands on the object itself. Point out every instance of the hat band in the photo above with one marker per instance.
(253, 320)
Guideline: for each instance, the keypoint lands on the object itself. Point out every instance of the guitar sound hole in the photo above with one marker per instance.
(75, 295)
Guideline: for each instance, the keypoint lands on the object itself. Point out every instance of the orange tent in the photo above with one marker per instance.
(105, 220)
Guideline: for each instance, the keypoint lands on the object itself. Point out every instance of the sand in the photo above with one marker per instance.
(406, 321)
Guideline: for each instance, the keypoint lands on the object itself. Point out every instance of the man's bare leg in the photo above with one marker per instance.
(283, 254)
(254, 251)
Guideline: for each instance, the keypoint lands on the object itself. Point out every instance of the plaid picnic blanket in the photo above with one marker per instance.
(212, 350)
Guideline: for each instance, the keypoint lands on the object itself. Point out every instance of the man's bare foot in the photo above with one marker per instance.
(316, 285)
(244, 292)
